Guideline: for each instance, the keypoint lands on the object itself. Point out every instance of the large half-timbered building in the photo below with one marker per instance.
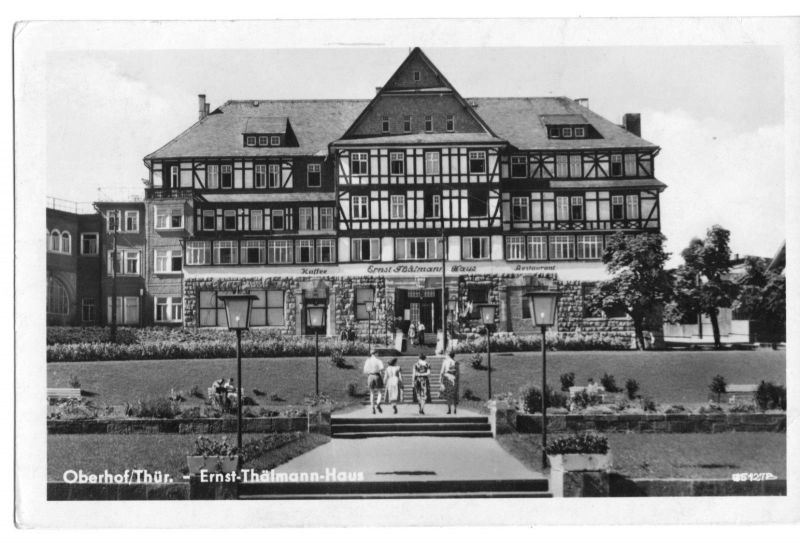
(372, 197)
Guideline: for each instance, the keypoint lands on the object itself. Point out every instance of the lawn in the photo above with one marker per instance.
(675, 455)
(165, 452)
(666, 376)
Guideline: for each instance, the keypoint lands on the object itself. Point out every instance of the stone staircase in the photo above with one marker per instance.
(391, 425)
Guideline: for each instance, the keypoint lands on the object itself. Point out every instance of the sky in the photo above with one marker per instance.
(717, 113)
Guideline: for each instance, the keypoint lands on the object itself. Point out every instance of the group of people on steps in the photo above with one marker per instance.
(385, 383)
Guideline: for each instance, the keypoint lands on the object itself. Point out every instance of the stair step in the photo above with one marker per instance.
(432, 432)
(403, 427)
(420, 419)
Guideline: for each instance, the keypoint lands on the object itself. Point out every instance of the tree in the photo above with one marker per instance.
(762, 295)
(718, 386)
(640, 284)
(701, 283)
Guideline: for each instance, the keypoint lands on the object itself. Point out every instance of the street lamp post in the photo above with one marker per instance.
(543, 314)
(370, 307)
(237, 311)
(315, 314)
(487, 316)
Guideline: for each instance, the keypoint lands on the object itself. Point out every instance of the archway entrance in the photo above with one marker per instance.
(420, 306)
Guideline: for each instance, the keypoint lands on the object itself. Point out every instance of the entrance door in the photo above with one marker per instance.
(427, 311)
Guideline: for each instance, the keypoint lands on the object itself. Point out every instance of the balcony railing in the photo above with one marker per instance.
(628, 224)
(70, 206)
(168, 192)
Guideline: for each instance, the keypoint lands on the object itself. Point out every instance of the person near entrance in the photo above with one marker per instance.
(448, 376)
(393, 380)
(373, 368)
(421, 333)
(412, 334)
(420, 376)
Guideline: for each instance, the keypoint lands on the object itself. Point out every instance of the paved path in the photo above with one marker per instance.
(421, 458)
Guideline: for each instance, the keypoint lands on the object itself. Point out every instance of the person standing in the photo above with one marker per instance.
(393, 380)
(412, 333)
(448, 375)
(373, 368)
(421, 333)
(420, 376)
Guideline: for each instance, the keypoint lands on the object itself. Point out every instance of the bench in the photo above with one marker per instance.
(57, 393)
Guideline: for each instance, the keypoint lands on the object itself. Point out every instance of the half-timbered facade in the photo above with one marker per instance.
(375, 196)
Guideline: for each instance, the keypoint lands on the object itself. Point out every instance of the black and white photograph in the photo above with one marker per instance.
(485, 271)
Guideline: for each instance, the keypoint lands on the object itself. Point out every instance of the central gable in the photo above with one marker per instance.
(417, 99)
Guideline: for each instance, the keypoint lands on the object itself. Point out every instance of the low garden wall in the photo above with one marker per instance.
(619, 486)
(317, 422)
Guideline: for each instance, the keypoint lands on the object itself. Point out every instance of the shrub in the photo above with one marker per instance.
(469, 395)
(717, 386)
(352, 390)
(675, 409)
(196, 392)
(74, 382)
(648, 404)
(608, 383)
(476, 361)
(742, 408)
(632, 387)
(248, 401)
(567, 381)
(578, 443)
(337, 358)
(74, 409)
(710, 408)
(176, 396)
(208, 447)
(276, 398)
(160, 408)
(253, 449)
(770, 396)
(584, 399)
(531, 399)
(258, 392)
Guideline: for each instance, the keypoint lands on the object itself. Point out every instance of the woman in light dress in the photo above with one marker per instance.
(448, 376)
(420, 376)
(393, 380)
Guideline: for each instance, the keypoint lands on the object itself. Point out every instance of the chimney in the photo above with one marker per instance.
(582, 102)
(632, 122)
(378, 89)
(202, 106)
(208, 108)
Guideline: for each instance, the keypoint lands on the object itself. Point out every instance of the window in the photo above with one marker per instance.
(562, 208)
(577, 208)
(433, 205)
(127, 310)
(112, 221)
(519, 208)
(131, 221)
(385, 124)
(256, 219)
(261, 176)
(515, 248)
(406, 123)
(478, 203)
(209, 219)
(616, 165)
(366, 249)
(358, 164)
(450, 123)
(360, 206)
(398, 207)
(575, 166)
(88, 313)
(432, 163)
(275, 307)
(562, 166)
(553, 132)
(314, 175)
(617, 207)
(251, 141)
(90, 243)
(174, 176)
(417, 249)
(416, 75)
(326, 218)
(590, 246)
(562, 247)
(519, 166)
(168, 261)
(396, 163)
(278, 222)
(263, 140)
(279, 252)
(212, 175)
(326, 251)
(66, 242)
(198, 253)
(580, 132)
(253, 251)
(127, 262)
(566, 132)
(229, 219)
(306, 219)
(274, 140)
(477, 162)
(169, 218)
(304, 251)
(226, 252)
(474, 248)
(477, 295)
(168, 309)
(57, 297)
(630, 164)
(429, 123)
(54, 241)
(537, 248)
(632, 202)
(274, 176)
(364, 295)
(227, 176)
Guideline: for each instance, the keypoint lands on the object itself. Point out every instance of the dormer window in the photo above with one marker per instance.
(580, 132)
(406, 123)
(274, 140)
(450, 123)
(566, 132)
(416, 76)
(250, 141)
(385, 124)
(554, 132)
(263, 140)
(429, 123)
